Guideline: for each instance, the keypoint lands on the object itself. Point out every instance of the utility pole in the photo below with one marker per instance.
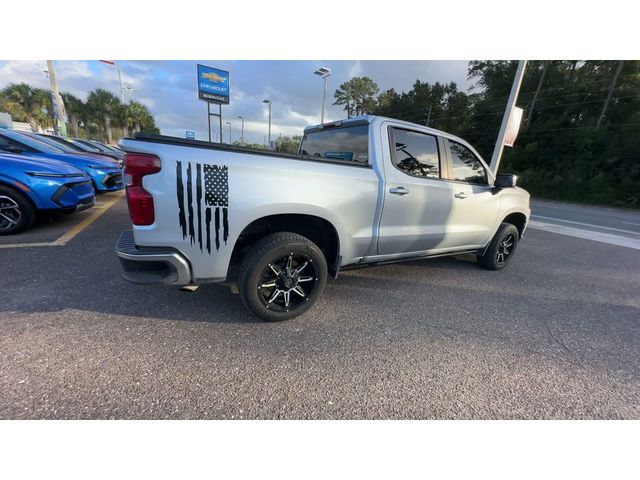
(535, 96)
(513, 97)
(59, 126)
(229, 123)
(610, 94)
(428, 116)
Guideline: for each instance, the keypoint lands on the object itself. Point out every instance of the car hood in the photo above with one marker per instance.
(39, 164)
(82, 161)
(97, 156)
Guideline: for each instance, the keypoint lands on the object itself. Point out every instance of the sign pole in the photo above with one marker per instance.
(209, 119)
(513, 97)
(213, 87)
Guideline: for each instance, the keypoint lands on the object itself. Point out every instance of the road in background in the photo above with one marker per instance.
(600, 224)
(554, 335)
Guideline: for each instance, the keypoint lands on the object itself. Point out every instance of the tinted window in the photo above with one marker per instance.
(6, 144)
(59, 141)
(28, 143)
(416, 153)
(466, 166)
(53, 143)
(84, 146)
(348, 143)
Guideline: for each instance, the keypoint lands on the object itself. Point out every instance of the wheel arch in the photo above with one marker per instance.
(317, 229)
(518, 219)
(28, 194)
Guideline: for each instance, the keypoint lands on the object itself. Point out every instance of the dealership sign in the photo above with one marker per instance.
(213, 85)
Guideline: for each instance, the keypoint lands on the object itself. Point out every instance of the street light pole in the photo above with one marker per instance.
(268, 102)
(229, 123)
(242, 129)
(130, 89)
(324, 73)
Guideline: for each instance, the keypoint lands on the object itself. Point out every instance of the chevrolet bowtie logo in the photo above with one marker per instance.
(214, 77)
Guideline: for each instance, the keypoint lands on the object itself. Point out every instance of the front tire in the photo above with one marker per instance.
(501, 249)
(282, 276)
(16, 212)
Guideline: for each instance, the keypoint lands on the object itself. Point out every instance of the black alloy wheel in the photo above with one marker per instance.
(282, 276)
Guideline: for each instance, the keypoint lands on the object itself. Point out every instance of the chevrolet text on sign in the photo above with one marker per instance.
(213, 84)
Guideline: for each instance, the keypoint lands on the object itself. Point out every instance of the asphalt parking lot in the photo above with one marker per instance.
(554, 336)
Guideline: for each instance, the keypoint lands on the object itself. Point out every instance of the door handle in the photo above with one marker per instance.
(399, 191)
(460, 195)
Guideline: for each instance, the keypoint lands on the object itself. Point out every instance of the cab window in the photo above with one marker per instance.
(466, 167)
(346, 143)
(416, 153)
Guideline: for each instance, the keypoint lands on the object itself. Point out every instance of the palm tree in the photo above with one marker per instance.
(103, 105)
(75, 111)
(137, 116)
(25, 103)
(43, 115)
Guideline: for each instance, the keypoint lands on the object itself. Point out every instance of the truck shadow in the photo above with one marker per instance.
(98, 287)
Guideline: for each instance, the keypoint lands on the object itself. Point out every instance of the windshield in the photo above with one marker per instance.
(346, 143)
(53, 143)
(84, 145)
(30, 142)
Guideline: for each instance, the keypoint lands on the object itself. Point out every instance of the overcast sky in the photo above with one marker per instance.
(168, 88)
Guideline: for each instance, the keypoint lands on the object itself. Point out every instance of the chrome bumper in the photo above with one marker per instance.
(152, 265)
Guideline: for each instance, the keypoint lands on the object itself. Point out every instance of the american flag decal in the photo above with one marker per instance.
(210, 208)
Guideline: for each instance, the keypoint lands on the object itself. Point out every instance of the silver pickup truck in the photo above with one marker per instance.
(273, 226)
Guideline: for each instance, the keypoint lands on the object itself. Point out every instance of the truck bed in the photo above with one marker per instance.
(169, 140)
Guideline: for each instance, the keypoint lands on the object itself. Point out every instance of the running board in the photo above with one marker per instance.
(364, 263)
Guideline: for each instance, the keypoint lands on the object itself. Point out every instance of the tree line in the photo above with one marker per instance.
(580, 135)
(101, 115)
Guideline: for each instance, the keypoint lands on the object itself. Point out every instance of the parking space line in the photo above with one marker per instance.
(75, 230)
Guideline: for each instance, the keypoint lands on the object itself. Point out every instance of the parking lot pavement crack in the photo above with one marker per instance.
(572, 358)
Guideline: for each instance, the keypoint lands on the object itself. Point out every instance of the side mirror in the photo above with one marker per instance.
(506, 180)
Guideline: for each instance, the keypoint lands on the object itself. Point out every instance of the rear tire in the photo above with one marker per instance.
(282, 276)
(501, 249)
(16, 212)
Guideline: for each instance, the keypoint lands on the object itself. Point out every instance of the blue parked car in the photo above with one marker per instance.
(105, 173)
(30, 184)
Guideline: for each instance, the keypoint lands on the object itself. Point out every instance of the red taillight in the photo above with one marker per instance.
(136, 166)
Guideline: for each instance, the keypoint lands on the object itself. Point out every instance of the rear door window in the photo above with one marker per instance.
(344, 143)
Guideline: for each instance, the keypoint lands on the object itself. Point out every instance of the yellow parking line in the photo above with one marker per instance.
(64, 239)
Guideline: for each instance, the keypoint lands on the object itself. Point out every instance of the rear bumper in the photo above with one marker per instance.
(152, 265)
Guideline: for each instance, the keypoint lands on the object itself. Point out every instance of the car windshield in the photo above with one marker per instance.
(53, 143)
(100, 146)
(31, 142)
(84, 145)
(345, 143)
